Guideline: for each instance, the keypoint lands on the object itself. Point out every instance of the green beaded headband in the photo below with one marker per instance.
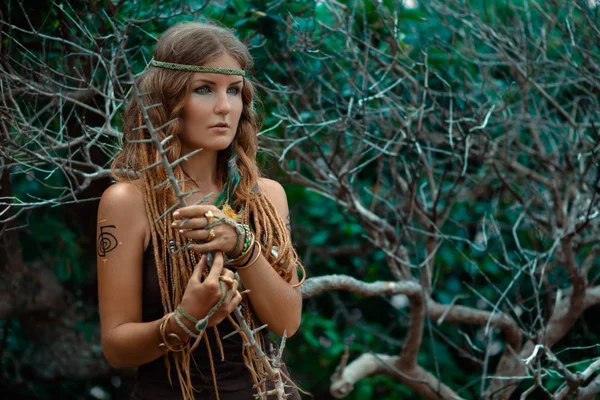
(198, 68)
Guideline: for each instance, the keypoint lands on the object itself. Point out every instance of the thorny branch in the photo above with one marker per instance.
(500, 132)
(53, 120)
(501, 112)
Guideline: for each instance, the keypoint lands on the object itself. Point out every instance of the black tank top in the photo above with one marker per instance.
(233, 378)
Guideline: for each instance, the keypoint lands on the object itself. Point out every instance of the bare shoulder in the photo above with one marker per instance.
(125, 196)
(271, 188)
(276, 194)
(123, 202)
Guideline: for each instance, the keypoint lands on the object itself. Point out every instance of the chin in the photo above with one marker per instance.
(215, 145)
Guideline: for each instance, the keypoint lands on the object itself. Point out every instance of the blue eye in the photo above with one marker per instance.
(202, 90)
(207, 90)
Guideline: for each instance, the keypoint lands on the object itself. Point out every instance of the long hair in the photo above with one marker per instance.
(166, 91)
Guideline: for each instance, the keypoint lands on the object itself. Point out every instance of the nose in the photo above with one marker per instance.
(222, 105)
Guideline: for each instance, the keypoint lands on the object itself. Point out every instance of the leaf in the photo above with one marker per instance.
(63, 270)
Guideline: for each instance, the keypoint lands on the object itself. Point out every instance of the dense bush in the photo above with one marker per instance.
(449, 148)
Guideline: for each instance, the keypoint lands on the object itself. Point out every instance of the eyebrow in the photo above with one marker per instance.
(207, 81)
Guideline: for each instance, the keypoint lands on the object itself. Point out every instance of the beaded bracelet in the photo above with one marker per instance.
(246, 254)
(243, 257)
(241, 229)
(248, 240)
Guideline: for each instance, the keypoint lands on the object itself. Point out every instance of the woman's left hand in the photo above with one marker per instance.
(222, 237)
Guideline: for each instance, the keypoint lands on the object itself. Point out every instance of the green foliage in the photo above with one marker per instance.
(465, 267)
(49, 237)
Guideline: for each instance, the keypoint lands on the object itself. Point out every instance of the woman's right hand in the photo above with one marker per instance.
(201, 296)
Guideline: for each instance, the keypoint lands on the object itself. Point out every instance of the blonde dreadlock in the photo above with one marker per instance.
(168, 88)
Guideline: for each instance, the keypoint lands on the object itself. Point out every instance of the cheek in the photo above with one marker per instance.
(196, 108)
(237, 109)
(193, 116)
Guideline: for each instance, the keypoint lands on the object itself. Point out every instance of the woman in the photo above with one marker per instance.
(162, 307)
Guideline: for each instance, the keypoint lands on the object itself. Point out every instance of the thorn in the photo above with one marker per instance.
(230, 334)
(260, 328)
(179, 250)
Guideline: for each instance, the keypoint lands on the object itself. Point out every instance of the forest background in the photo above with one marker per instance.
(440, 160)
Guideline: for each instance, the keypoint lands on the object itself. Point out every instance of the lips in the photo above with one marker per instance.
(220, 125)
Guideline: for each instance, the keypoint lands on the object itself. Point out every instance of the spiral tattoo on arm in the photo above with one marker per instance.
(107, 242)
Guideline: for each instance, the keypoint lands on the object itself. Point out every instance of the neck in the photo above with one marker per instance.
(202, 169)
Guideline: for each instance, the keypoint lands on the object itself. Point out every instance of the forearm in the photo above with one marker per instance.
(274, 300)
(136, 343)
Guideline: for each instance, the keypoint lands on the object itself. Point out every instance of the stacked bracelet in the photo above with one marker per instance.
(243, 258)
(172, 341)
(253, 258)
(240, 230)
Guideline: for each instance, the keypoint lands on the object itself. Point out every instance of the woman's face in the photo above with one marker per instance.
(212, 110)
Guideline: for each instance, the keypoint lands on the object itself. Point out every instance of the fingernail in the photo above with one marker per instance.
(176, 214)
(181, 231)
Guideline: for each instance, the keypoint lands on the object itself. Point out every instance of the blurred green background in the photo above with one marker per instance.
(62, 237)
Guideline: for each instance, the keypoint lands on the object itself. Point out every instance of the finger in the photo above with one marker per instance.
(228, 273)
(233, 291)
(200, 248)
(199, 268)
(235, 301)
(196, 234)
(194, 211)
(191, 211)
(236, 284)
(231, 283)
(217, 267)
(191, 223)
(228, 299)
(229, 304)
